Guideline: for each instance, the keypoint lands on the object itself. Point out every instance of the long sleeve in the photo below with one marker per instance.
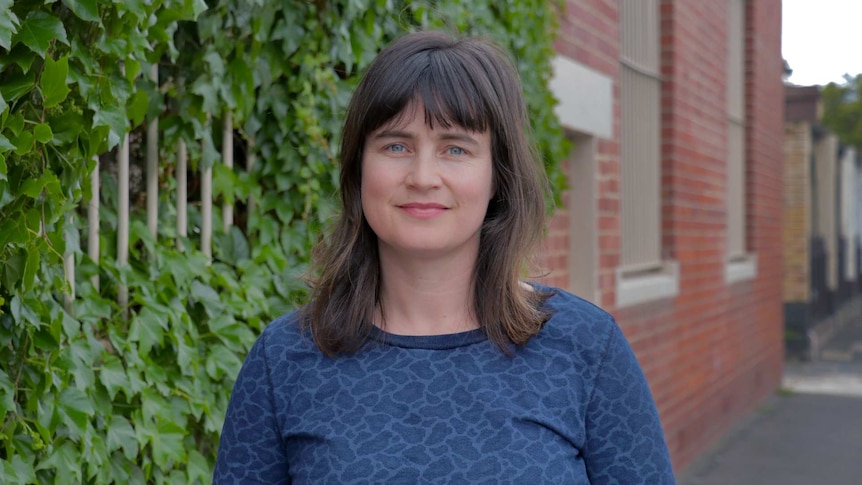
(251, 449)
(625, 441)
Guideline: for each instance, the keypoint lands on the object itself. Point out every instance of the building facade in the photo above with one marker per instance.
(822, 207)
(673, 217)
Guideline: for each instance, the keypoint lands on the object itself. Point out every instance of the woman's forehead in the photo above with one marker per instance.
(435, 119)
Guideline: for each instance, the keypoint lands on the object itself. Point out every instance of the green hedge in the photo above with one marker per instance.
(87, 395)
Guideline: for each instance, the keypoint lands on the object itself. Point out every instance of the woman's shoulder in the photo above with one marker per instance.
(575, 320)
(285, 334)
(563, 301)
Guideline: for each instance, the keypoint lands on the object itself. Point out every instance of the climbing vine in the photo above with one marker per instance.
(92, 392)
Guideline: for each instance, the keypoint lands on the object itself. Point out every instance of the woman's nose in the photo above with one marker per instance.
(424, 171)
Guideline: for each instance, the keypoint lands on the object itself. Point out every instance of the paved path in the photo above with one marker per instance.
(809, 433)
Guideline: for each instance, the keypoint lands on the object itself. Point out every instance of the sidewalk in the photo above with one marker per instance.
(808, 433)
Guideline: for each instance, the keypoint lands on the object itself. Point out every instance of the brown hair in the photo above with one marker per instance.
(470, 83)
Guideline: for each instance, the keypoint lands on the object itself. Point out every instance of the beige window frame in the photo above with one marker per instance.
(740, 263)
(640, 151)
(643, 275)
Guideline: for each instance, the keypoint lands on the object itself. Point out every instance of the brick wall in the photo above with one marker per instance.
(797, 202)
(715, 351)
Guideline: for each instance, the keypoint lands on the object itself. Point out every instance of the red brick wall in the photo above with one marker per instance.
(715, 351)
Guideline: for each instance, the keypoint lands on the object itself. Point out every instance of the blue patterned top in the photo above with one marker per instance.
(571, 407)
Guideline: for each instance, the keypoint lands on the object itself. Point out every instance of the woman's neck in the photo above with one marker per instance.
(431, 296)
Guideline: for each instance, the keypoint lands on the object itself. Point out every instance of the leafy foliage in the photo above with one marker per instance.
(842, 109)
(97, 393)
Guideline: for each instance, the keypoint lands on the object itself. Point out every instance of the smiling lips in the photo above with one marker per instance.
(423, 211)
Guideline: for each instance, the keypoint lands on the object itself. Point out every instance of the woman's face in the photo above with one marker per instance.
(425, 191)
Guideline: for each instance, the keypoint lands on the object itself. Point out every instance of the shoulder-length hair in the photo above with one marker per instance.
(467, 82)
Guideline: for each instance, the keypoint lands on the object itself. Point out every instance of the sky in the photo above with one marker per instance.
(822, 39)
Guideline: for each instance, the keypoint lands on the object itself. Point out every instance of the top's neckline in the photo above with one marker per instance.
(430, 342)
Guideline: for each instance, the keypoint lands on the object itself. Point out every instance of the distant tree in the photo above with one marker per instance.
(842, 109)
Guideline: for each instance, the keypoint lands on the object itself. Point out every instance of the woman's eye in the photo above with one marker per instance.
(457, 151)
(396, 148)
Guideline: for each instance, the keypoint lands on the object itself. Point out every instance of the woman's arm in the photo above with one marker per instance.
(625, 441)
(251, 450)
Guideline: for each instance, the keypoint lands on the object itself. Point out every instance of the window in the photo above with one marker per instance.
(643, 275)
(740, 265)
(640, 151)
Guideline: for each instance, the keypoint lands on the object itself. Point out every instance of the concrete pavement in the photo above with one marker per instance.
(808, 433)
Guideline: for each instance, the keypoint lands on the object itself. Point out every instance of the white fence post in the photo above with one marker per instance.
(123, 222)
(227, 154)
(206, 209)
(153, 164)
(182, 192)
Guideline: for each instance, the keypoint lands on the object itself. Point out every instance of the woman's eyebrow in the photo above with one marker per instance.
(445, 136)
(393, 134)
(458, 136)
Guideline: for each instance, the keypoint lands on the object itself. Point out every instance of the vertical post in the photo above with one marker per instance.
(227, 154)
(69, 266)
(123, 222)
(153, 165)
(206, 208)
(93, 220)
(182, 190)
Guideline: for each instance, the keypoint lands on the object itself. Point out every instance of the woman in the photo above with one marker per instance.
(421, 357)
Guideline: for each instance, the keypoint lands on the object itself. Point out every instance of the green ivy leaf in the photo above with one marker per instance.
(66, 460)
(113, 376)
(167, 443)
(71, 235)
(43, 133)
(85, 9)
(136, 108)
(5, 194)
(71, 327)
(135, 7)
(148, 329)
(225, 363)
(7, 394)
(67, 126)
(233, 246)
(33, 187)
(82, 358)
(39, 29)
(13, 270)
(8, 24)
(121, 435)
(15, 123)
(76, 405)
(24, 143)
(198, 469)
(205, 295)
(209, 91)
(113, 118)
(20, 55)
(198, 7)
(5, 146)
(185, 356)
(17, 85)
(19, 471)
(53, 83)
